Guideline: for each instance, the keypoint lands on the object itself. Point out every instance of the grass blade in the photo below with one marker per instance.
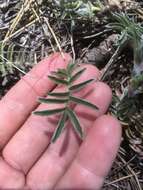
(49, 112)
(80, 85)
(83, 102)
(59, 128)
(58, 80)
(77, 75)
(49, 100)
(59, 94)
(74, 120)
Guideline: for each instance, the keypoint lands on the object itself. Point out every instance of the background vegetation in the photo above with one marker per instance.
(107, 34)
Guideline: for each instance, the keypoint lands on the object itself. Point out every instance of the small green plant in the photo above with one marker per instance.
(11, 59)
(66, 77)
(127, 27)
(78, 9)
(131, 33)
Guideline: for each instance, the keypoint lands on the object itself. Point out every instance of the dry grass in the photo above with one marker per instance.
(36, 30)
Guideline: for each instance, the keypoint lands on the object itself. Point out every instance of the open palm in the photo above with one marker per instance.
(28, 159)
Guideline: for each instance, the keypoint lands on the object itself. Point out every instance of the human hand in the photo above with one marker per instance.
(29, 161)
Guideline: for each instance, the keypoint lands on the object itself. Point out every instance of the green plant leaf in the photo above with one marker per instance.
(77, 75)
(60, 127)
(74, 120)
(10, 57)
(123, 23)
(80, 85)
(70, 68)
(49, 112)
(58, 80)
(66, 77)
(49, 100)
(122, 18)
(59, 94)
(61, 73)
(116, 26)
(83, 102)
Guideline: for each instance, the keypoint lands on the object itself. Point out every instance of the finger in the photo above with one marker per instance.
(21, 99)
(9, 177)
(95, 156)
(60, 154)
(33, 138)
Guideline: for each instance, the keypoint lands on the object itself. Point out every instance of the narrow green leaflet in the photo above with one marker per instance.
(74, 120)
(83, 102)
(60, 127)
(80, 85)
(77, 75)
(58, 80)
(60, 73)
(71, 67)
(49, 112)
(52, 100)
(58, 94)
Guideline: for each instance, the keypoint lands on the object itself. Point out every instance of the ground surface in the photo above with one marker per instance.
(31, 31)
